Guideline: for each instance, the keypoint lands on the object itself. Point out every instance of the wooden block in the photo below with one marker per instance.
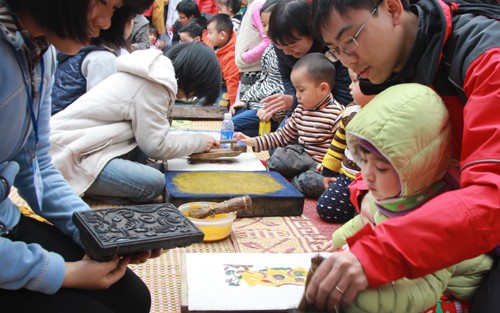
(198, 112)
(271, 193)
(133, 229)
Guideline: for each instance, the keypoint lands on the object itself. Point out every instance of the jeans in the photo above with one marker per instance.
(247, 122)
(127, 179)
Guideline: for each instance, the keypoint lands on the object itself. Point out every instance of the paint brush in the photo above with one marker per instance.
(231, 205)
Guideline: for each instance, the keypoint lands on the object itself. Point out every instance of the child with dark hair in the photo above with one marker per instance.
(338, 167)
(44, 267)
(190, 32)
(154, 38)
(186, 11)
(102, 141)
(231, 8)
(221, 36)
(77, 74)
(312, 125)
(290, 30)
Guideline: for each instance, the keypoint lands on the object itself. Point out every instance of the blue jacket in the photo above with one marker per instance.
(29, 265)
(70, 83)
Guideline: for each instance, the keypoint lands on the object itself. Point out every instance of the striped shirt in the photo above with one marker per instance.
(338, 158)
(313, 129)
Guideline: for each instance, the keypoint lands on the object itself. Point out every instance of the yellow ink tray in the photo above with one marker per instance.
(215, 228)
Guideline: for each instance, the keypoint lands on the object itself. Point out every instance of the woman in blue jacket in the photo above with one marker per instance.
(44, 268)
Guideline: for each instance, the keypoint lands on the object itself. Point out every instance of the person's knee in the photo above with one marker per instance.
(310, 183)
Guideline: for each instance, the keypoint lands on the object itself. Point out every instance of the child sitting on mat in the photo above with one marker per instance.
(401, 140)
(312, 124)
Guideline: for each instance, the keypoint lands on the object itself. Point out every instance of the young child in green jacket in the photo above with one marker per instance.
(401, 140)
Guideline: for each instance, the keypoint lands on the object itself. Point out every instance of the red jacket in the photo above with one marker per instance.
(230, 72)
(207, 6)
(463, 223)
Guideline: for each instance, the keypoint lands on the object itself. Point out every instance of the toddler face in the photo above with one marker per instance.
(309, 93)
(380, 176)
(152, 38)
(357, 95)
(264, 19)
(213, 35)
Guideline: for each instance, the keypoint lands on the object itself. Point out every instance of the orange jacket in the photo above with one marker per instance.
(230, 72)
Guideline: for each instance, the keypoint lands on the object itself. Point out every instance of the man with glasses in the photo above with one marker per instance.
(389, 42)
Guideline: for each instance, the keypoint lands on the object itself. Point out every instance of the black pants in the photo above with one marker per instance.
(129, 294)
(488, 297)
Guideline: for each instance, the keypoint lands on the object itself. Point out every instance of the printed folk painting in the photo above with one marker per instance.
(245, 281)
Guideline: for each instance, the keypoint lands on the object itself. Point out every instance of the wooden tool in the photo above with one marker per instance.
(214, 154)
(233, 151)
(231, 205)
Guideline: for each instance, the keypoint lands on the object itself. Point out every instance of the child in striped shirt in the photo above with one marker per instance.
(312, 124)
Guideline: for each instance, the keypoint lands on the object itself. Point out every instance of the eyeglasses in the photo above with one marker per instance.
(349, 44)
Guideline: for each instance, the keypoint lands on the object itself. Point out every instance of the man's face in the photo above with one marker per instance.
(377, 50)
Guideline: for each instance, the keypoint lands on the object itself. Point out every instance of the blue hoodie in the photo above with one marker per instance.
(29, 265)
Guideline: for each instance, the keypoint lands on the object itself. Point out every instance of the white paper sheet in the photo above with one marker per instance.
(246, 162)
(213, 283)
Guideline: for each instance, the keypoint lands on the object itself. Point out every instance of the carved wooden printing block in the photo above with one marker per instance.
(133, 229)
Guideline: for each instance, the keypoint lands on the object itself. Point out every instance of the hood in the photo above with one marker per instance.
(410, 127)
(149, 64)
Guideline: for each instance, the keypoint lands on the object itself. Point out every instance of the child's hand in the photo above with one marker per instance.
(328, 180)
(319, 168)
(249, 141)
(329, 247)
(264, 115)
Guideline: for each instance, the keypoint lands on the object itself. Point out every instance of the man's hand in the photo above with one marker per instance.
(264, 115)
(338, 280)
(278, 102)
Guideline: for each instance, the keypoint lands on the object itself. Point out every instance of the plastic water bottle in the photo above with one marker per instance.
(227, 129)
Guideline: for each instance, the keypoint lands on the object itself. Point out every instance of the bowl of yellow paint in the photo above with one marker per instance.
(215, 227)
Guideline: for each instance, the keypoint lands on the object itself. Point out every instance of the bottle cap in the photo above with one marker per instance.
(227, 116)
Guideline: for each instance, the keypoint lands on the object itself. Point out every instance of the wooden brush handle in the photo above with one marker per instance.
(233, 205)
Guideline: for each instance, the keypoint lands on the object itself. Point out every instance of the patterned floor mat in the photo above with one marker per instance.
(295, 234)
